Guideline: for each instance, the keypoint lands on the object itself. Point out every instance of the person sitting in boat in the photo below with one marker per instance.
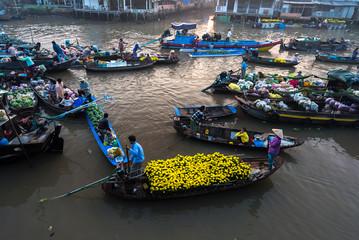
(295, 58)
(274, 146)
(253, 53)
(197, 118)
(58, 50)
(136, 154)
(67, 101)
(135, 49)
(299, 75)
(85, 87)
(355, 54)
(243, 135)
(229, 35)
(217, 36)
(206, 36)
(166, 33)
(172, 57)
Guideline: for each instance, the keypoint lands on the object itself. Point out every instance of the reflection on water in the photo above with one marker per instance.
(313, 196)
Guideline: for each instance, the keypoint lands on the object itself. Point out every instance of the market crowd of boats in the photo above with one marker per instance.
(34, 103)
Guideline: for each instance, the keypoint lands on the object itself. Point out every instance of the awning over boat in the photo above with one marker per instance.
(344, 76)
(181, 26)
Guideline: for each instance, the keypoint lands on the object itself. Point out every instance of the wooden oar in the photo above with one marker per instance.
(85, 187)
(150, 42)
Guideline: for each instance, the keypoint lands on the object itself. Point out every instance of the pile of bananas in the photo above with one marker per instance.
(95, 114)
(188, 172)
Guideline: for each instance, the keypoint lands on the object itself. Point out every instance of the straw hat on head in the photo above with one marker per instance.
(278, 132)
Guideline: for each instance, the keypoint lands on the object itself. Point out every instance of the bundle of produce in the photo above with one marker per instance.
(334, 105)
(282, 106)
(190, 172)
(280, 60)
(251, 77)
(95, 114)
(263, 105)
(305, 103)
(115, 152)
(21, 97)
(3, 116)
(354, 92)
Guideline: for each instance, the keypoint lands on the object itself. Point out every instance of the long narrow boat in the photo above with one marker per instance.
(185, 41)
(336, 59)
(93, 114)
(137, 187)
(160, 58)
(129, 66)
(225, 135)
(296, 116)
(211, 112)
(314, 44)
(50, 64)
(215, 53)
(271, 62)
(39, 140)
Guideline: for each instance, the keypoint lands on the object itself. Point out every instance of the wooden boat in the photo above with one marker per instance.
(189, 41)
(50, 64)
(102, 146)
(225, 135)
(271, 62)
(39, 140)
(297, 116)
(130, 66)
(211, 112)
(136, 186)
(161, 58)
(314, 44)
(335, 59)
(44, 98)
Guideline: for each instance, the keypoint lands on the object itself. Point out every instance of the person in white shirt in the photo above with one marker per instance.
(229, 34)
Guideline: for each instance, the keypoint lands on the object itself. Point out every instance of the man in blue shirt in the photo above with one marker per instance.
(137, 156)
(244, 68)
(58, 50)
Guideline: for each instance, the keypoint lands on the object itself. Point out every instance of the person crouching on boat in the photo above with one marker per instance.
(197, 118)
(172, 57)
(243, 135)
(67, 101)
(30, 65)
(274, 146)
(136, 154)
(295, 58)
(103, 126)
(229, 35)
(135, 49)
(355, 54)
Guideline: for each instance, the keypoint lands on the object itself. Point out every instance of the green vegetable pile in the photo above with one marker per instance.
(95, 114)
(21, 98)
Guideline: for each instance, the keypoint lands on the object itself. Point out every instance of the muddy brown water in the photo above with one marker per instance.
(315, 195)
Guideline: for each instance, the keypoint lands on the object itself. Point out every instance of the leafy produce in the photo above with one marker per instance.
(95, 114)
(201, 170)
(21, 98)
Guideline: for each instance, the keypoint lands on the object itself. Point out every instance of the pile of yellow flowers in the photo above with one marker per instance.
(188, 172)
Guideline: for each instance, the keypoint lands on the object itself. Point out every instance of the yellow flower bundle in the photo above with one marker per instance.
(201, 170)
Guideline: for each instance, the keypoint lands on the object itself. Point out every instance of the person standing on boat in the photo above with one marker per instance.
(229, 34)
(244, 67)
(136, 154)
(12, 52)
(274, 146)
(58, 50)
(355, 54)
(197, 118)
(59, 89)
(135, 49)
(121, 46)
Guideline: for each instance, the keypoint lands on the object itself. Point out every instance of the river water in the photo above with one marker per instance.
(313, 196)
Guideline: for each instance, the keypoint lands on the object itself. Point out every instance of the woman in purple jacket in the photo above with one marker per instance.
(274, 146)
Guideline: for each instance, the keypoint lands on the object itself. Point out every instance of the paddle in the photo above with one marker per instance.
(214, 84)
(85, 187)
(149, 42)
(106, 98)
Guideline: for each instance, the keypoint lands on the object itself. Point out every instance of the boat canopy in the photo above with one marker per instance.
(343, 76)
(181, 26)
